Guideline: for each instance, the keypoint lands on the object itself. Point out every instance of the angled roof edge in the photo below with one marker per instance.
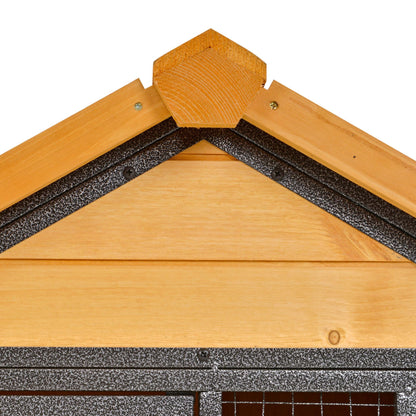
(77, 140)
(336, 144)
(207, 60)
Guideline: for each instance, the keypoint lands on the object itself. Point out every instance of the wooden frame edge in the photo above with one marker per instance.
(335, 144)
(77, 140)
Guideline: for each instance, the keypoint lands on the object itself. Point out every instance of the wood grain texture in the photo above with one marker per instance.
(211, 40)
(202, 210)
(77, 140)
(207, 90)
(337, 145)
(207, 304)
(203, 150)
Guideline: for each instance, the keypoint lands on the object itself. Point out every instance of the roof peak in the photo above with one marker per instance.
(208, 81)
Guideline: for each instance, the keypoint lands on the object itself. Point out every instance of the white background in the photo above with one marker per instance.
(355, 58)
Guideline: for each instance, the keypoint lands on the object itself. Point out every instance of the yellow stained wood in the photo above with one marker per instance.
(77, 140)
(203, 150)
(202, 210)
(336, 144)
(206, 157)
(211, 40)
(207, 304)
(207, 90)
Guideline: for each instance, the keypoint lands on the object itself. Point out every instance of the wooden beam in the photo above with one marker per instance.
(207, 304)
(77, 140)
(211, 40)
(336, 144)
(209, 81)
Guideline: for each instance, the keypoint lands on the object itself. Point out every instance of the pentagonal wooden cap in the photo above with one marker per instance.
(208, 81)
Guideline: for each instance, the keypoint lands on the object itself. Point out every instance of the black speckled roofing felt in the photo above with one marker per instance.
(325, 188)
(219, 358)
(96, 405)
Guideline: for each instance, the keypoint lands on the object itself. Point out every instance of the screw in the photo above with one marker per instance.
(408, 390)
(278, 174)
(138, 106)
(129, 173)
(203, 355)
(273, 105)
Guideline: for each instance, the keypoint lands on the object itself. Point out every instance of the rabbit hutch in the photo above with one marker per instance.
(207, 246)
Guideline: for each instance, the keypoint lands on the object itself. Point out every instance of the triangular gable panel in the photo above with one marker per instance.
(297, 144)
(202, 208)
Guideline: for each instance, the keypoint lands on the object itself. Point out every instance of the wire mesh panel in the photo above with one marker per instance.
(308, 404)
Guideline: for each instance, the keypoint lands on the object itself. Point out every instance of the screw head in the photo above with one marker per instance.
(138, 106)
(273, 105)
(129, 173)
(278, 174)
(203, 355)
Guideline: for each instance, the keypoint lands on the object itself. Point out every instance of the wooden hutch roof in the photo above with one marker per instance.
(209, 92)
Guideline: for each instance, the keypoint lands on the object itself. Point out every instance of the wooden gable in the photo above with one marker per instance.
(202, 205)
(201, 250)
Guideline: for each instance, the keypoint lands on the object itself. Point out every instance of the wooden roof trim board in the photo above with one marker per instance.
(77, 140)
(336, 144)
(283, 114)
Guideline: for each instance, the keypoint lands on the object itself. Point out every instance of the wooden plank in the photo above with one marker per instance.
(77, 140)
(207, 304)
(202, 210)
(336, 144)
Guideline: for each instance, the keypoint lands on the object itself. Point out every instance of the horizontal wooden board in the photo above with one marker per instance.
(336, 144)
(77, 140)
(207, 304)
(202, 210)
